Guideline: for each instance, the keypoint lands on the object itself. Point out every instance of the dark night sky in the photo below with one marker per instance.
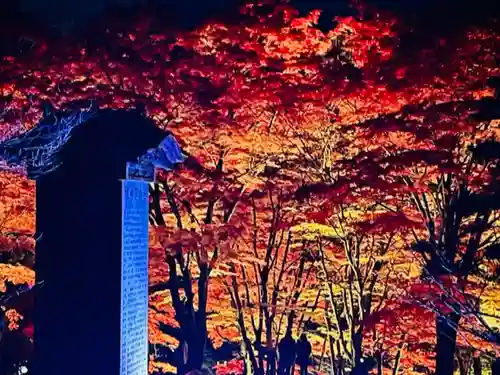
(430, 18)
(71, 14)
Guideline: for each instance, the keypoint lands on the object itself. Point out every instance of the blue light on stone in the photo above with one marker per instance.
(134, 282)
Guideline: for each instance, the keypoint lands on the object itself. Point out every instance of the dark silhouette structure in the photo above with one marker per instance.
(78, 253)
(304, 350)
(495, 367)
(287, 354)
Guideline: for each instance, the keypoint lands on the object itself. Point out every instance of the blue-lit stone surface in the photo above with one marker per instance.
(134, 282)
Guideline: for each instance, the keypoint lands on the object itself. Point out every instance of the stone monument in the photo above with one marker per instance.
(134, 271)
(92, 245)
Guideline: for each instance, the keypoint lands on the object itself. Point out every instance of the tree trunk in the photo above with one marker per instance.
(196, 352)
(357, 343)
(477, 365)
(397, 361)
(446, 331)
(464, 358)
(380, 366)
(271, 361)
(339, 366)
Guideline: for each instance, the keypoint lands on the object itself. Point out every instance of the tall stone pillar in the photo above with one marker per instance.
(91, 255)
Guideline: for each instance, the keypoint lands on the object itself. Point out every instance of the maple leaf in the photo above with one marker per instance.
(389, 222)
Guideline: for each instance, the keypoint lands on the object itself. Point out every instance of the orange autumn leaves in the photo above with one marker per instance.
(17, 222)
(17, 245)
(221, 236)
(340, 111)
(17, 205)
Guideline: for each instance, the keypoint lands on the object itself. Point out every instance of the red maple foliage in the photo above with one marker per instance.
(293, 132)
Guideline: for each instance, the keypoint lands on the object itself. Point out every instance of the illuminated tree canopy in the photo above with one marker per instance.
(337, 184)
